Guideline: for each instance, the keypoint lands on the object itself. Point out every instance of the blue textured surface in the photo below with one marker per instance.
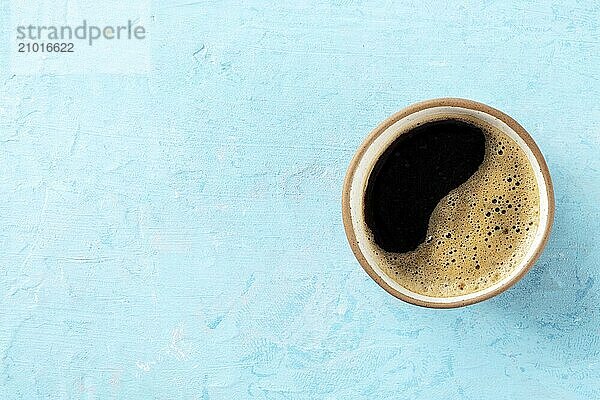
(178, 234)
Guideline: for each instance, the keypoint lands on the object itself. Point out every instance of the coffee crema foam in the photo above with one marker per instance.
(479, 233)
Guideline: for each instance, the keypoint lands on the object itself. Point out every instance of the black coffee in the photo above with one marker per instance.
(413, 175)
(451, 207)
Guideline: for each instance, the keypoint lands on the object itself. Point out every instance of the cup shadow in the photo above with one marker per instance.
(556, 298)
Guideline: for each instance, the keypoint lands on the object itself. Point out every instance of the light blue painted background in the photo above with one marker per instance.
(178, 234)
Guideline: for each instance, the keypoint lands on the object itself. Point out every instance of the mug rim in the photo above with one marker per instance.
(411, 109)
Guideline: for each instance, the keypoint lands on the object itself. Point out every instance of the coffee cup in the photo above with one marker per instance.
(447, 203)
